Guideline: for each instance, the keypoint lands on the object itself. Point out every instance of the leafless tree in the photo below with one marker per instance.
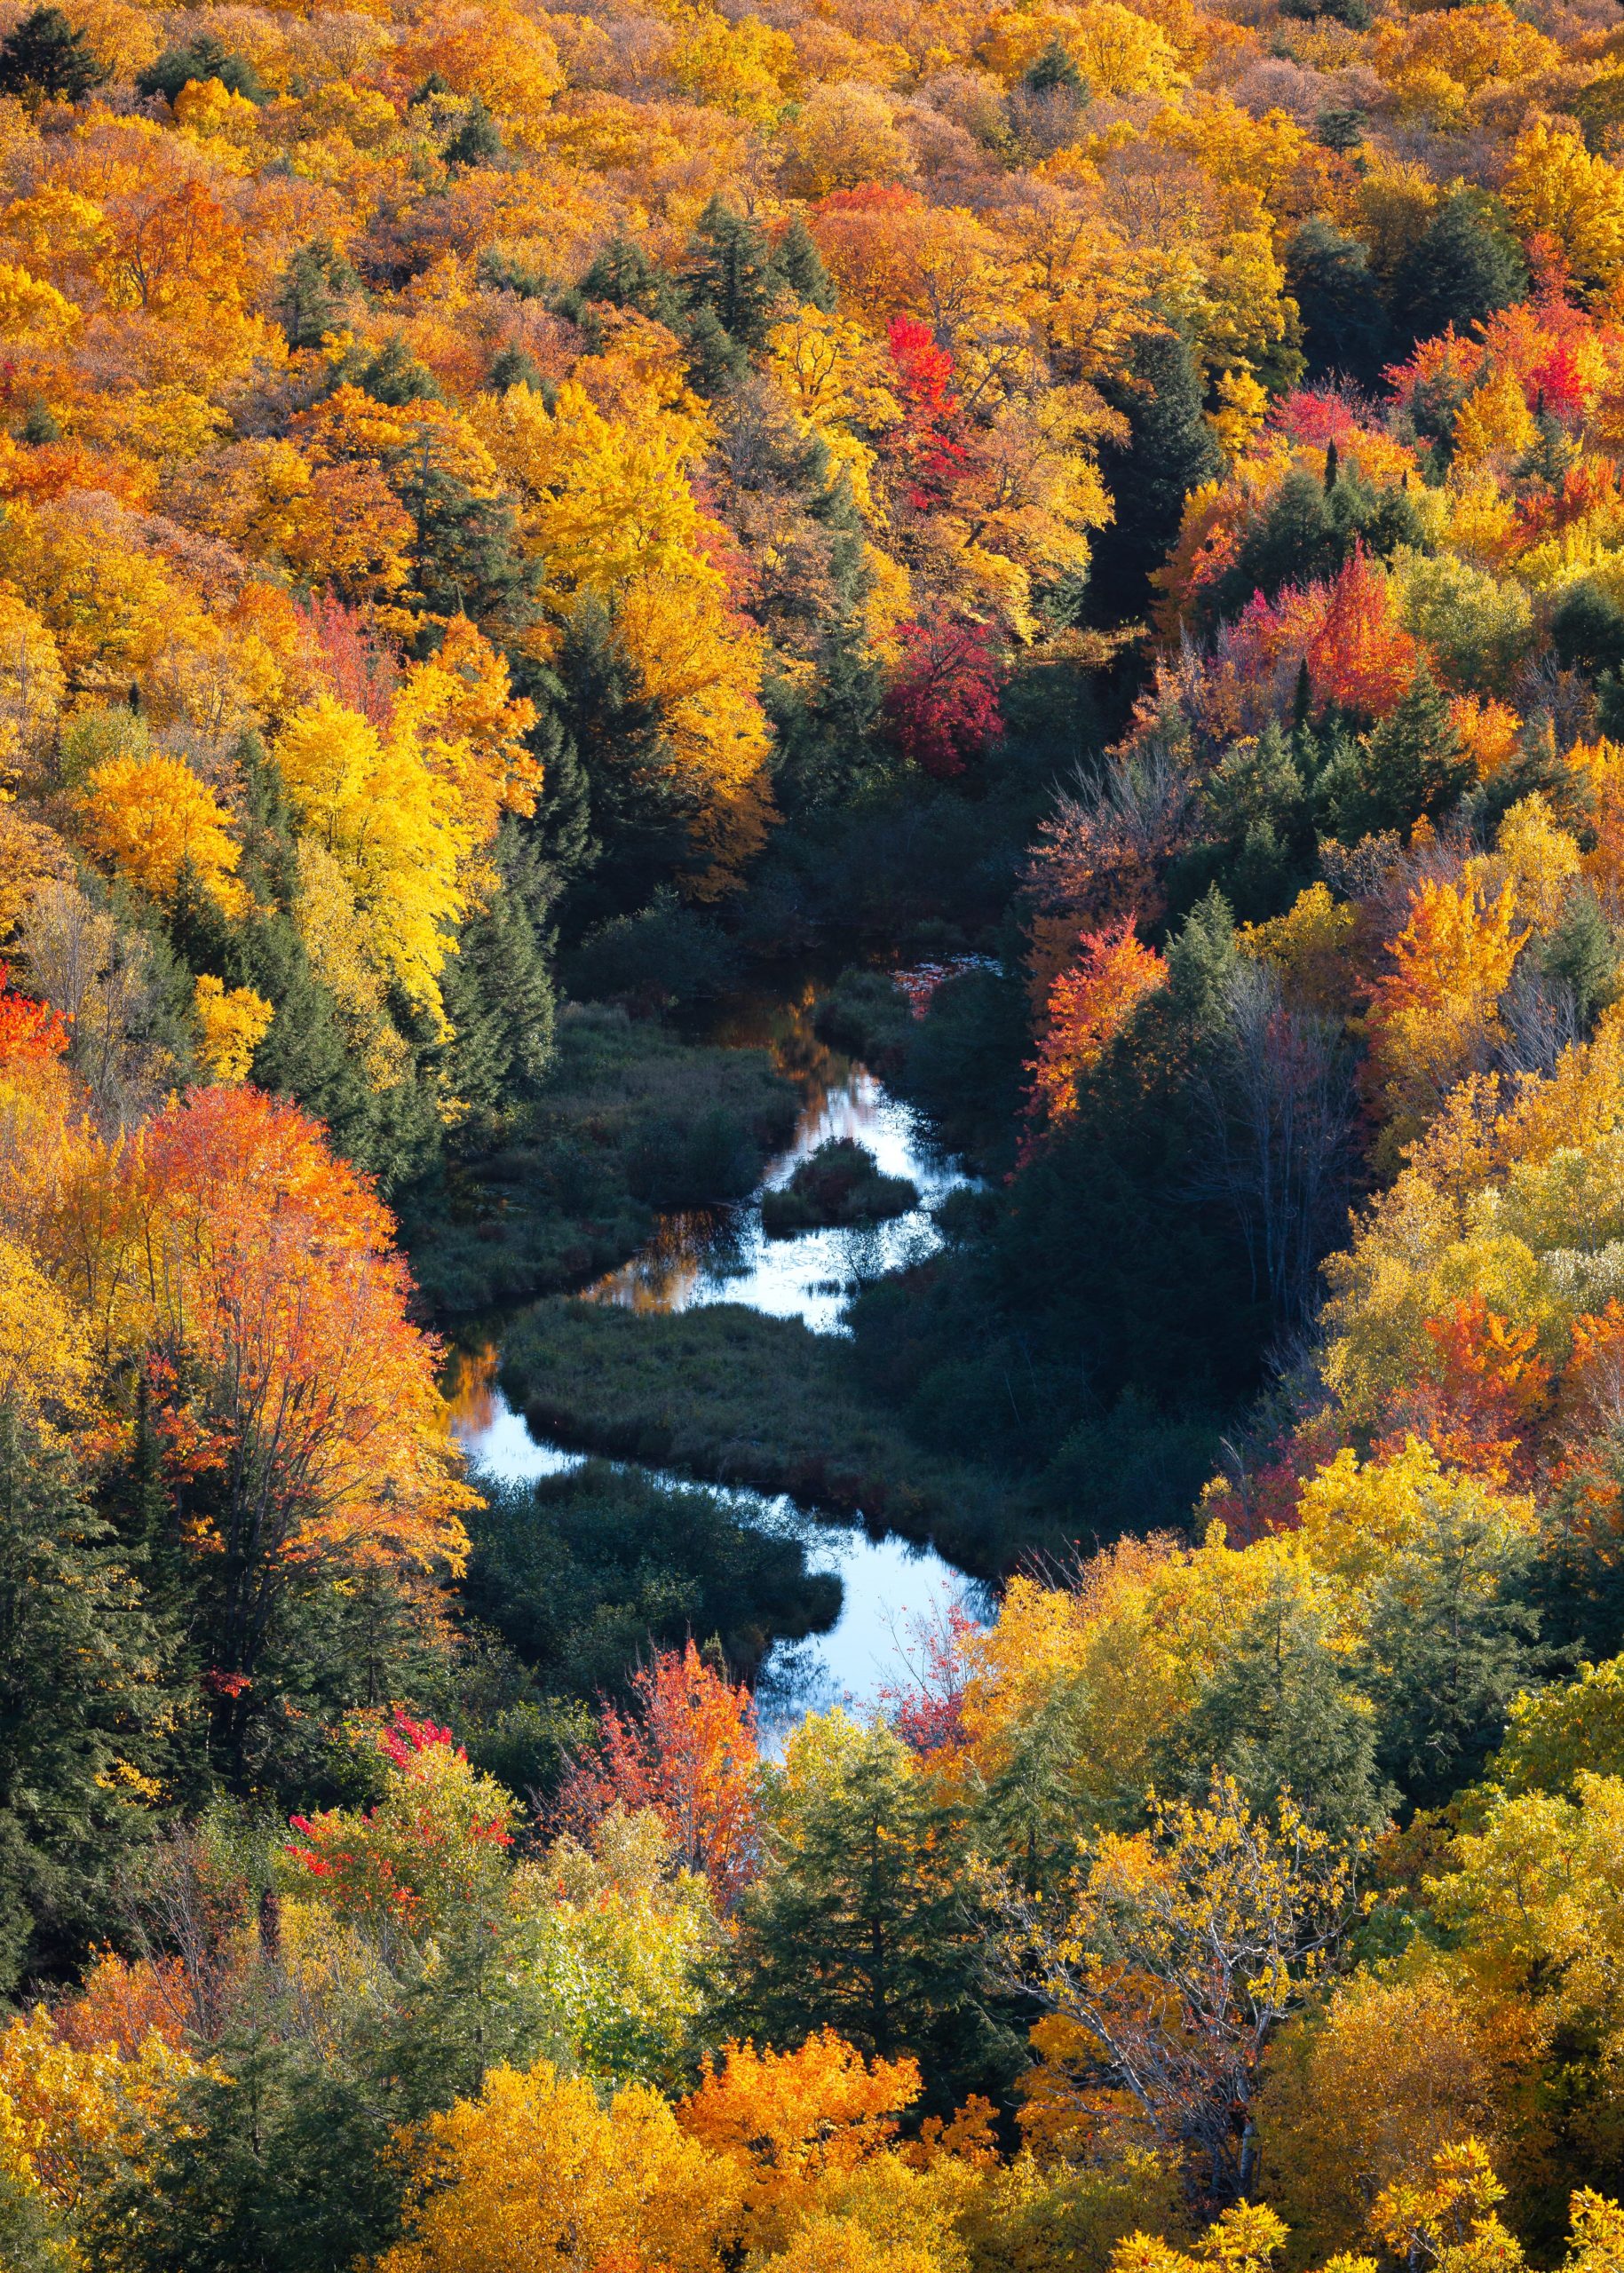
(1277, 1102)
(100, 976)
(1541, 1014)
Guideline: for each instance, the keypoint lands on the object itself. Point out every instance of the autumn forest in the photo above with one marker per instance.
(793, 790)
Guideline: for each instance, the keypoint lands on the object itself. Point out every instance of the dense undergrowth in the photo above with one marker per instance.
(628, 1120)
(729, 1395)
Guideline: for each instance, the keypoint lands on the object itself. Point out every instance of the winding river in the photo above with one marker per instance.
(891, 1590)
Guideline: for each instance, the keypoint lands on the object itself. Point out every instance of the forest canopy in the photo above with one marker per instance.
(1095, 530)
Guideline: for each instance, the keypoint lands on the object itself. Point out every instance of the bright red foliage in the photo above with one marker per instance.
(931, 439)
(1358, 654)
(29, 1030)
(943, 709)
(688, 1750)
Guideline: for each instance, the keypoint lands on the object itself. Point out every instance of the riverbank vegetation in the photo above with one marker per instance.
(837, 1188)
(583, 1575)
(729, 1395)
(1101, 521)
(626, 1121)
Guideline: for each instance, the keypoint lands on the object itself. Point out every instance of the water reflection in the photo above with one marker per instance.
(721, 1255)
(890, 1589)
(887, 1586)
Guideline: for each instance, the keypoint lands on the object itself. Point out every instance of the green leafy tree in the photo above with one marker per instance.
(31, 2236)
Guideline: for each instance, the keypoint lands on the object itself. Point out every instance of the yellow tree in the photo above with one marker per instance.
(1434, 1015)
(537, 2172)
(1555, 188)
(1401, 2067)
(391, 827)
(150, 818)
(232, 1022)
(795, 2125)
(609, 512)
(1179, 1952)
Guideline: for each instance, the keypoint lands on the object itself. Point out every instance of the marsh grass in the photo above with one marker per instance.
(729, 1396)
(840, 1187)
(631, 1119)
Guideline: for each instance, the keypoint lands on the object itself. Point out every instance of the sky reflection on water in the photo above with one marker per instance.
(698, 1256)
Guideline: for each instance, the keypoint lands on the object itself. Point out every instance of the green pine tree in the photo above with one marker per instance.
(800, 265)
(1345, 323)
(859, 1921)
(1169, 450)
(44, 56)
(731, 272)
(1051, 69)
(395, 377)
(1412, 765)
(513, 367)
(498, 994)
(1199, 963)
(79, 1694)
(1583, 954)
(477, 141)
(1451, 1638)
(1257, 781)
(317, 285)
(466, 557)
(1461, 269)
(283, 2166)
(201, 58)
(1280, 1714)
(624, 274)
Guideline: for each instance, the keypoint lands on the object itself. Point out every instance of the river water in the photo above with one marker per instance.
(893, 1591)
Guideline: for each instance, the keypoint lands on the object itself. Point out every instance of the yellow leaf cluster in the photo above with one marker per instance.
(233, 1023)
(151, 819)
